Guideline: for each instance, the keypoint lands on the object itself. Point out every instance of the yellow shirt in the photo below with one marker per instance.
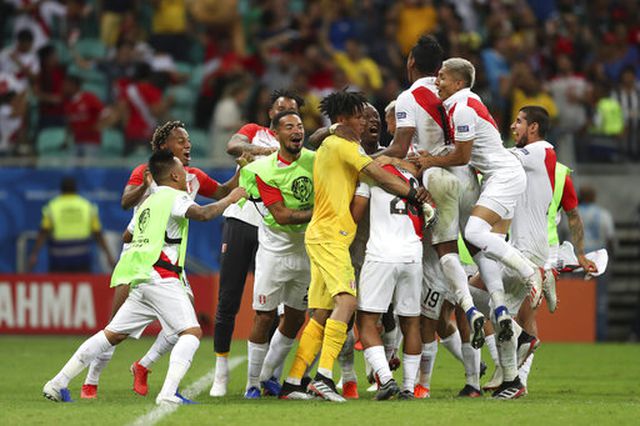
(170, 17)
(360, 72)
(335, 175)
(412, 23)
(541, 99)
(70, 217)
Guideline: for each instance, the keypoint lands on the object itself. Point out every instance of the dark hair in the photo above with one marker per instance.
(279, 116)
(427, 54)
(142, 72)
(162, 132)
(537, 114)
(629, 68)
(68, 185)
(45, 51)
(284, 93)
(74, 78)
(160, 164)
(342, 103)
(24, 36)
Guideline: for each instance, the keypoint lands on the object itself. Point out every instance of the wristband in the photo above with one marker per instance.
(411, 196)
(333, 127)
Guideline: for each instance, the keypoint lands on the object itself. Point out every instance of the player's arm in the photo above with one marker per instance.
(43, 236)
(393, 184)
(569, 204)
(210, 211)
(134, 191)
(345, 132)
(359, 207)
(240, 143)
(460, 156)
(401, 143)
(397, 162)
(286, 216)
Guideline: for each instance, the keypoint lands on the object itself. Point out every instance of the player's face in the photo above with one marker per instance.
(519, 130)
(283, 104)
(355, 121)
(180, 175)
(179, 144)
(290, 133)
(446, 84)
(372, 125)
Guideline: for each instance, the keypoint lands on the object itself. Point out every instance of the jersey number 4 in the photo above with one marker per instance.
(399, 205)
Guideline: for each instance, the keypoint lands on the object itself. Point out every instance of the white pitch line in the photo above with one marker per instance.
(191, 392)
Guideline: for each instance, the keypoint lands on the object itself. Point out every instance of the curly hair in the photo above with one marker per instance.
(289, 94)
(162, 132)
(342, 103)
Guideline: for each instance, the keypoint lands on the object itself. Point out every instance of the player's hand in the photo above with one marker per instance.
(147, 179)
(244, 159)
(423, 162)
(384, 160)
(265, 150)
(588, 266)
(422, 195)
(346, 132)
(236, 194)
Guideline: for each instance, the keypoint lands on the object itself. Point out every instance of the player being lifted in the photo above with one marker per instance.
(332, 292)
(159, 241)
(283, 181)
(477, 142)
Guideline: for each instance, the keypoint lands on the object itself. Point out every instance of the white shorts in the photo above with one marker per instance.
(455, 191)
(384, 283)
(500, 192)
(281, 279)
(165, 300)
(434, 285)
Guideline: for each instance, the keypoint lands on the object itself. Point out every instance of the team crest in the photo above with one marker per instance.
(302, 189)
(143, 219)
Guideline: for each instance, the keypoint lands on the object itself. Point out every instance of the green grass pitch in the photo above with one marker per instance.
(570, 384)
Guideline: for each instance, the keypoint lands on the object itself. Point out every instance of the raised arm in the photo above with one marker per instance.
(132, 194)
(210, 211)
(240, 143)
(401, 143)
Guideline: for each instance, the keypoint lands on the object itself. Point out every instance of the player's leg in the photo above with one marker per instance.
(407, 298)
(239, 245)
(470, 357)
(450, 336)
(346, 359)
(163, 344)
(374, 354)
(257, 347)
(428, 327)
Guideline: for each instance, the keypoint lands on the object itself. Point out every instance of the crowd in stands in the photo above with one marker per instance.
(91, 77)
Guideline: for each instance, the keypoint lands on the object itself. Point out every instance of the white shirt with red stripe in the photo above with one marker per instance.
(395, 225)
(529, 227)
(420, 107)
(471, 121)
(250, 211)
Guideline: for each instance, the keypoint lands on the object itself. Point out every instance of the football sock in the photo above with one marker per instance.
(389, 342)
(163, 344)
(471, 365)
(84, 355)
(490, 341)
(277, 372)
(456, 279)
(256, 353)
(491, 275)
(410, 367)
(335, 334)
(427, 361)
(179, 363)
(507, 351)
(222, 367)
(379, 364)
(279, 348)
(453, 343)
(478, 232)
(310, 344)
(346, 358)
(97, 365)
(525, 370)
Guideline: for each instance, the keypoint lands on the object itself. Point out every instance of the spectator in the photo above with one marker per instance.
(111, 19)
(628, 95)
(169, 28)
(526, 89)
(570, 92)
(361, 70)
(48, 88)
(119, 68)
(599, 232)
(227, 118)
(13, 108)
(607, 118)
(69, 221)
(20, 60)
(38, 17)
(84, 113)
(414, 18)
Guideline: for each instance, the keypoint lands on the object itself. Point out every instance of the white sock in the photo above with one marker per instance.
(507, 351)
(427, 361)
(277, 372)
(453, 344)
(389, 342)
(410, 367)
(256, 353)
(279, 348)
(346, 358)
(490, 341)
(471, 365)
(179, 363)
(84, 355)
(97, 365)
(457, 279)
(525, 370)
(491, 274)
(222, 369)
(379, 364)
(478, 232)
(161, 346)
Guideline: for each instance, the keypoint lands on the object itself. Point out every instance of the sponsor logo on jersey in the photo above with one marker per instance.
(401, 115)
(462, 129)
(302, 188)
(143, 219)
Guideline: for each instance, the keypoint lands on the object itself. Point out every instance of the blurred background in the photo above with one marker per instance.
(83, 83)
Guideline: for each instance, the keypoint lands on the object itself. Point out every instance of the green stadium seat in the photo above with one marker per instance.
(51, 141)
(184, 114)
(196, 78)
(200, 143)
(64, 54)
(182, 96)
(184, 67)
(98, 89)
(91, 48)
(112, 143)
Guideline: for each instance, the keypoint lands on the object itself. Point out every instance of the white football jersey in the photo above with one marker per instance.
(395, 226)
(529, 227)
(471, 121)
(421, 108)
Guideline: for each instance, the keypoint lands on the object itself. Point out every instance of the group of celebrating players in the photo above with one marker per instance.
(351, 233)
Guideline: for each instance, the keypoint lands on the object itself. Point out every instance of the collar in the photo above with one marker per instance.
(457, 97)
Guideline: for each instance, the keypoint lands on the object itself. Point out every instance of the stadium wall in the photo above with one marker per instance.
(81, 304)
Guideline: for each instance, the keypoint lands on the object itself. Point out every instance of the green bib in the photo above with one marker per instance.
(552, 228)
(294, 181)
(152, 217)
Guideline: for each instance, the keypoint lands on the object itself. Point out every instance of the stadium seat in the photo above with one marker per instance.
(64, 55)
(183, 96)
(98, 89)
(51, 141)
(91, 48)
(196, 78)
(184, 68)
(112, 142)
(200, 143)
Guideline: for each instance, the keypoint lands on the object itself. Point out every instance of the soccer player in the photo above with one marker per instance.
(477, 142)
(332, 292)
(171, 136)
(392, 272)
(283, 181)
(152, 266)
(240, 237)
